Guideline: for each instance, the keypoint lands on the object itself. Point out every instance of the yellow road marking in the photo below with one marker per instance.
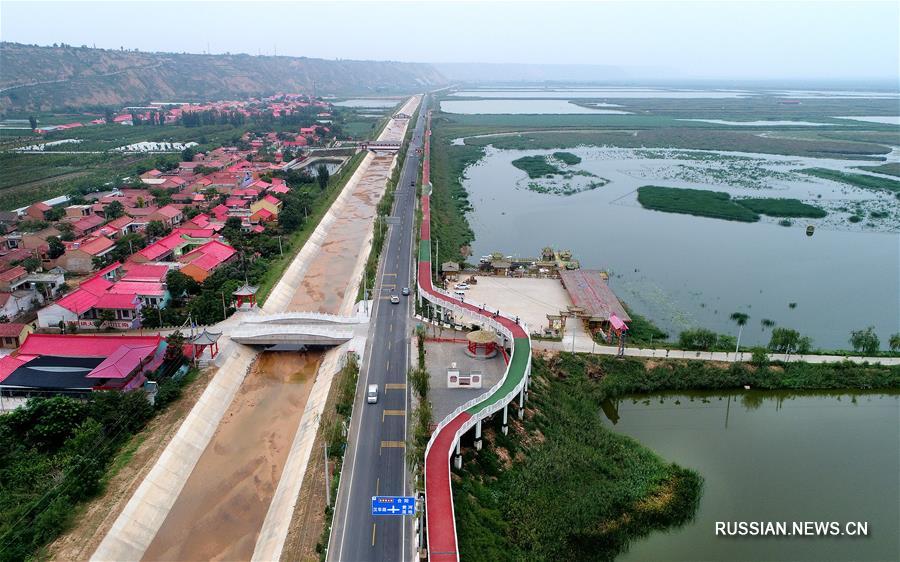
(395, 386)
(389, 274)
(393, 445)
(392, 413)
(373, 534)
(388, 285)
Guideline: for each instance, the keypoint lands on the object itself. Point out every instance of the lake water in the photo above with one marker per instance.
(769, 456)
(478, 107)
(367, 103)
(573, 93)
(685, 271)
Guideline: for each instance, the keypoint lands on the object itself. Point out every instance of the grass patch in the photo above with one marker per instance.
(782, 208)
(891, 169)
(614, 490)
(699, 202)
(856, 180)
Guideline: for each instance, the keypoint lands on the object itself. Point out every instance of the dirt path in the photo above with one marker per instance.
(96, 517)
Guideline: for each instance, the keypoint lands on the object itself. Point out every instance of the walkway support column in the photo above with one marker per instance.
(457, 459)
(478, 436)
(505, 427)
(522, 403)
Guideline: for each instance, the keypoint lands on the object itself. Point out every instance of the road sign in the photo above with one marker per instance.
(393, 505)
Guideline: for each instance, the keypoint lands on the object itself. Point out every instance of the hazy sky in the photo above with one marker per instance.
(695, 40)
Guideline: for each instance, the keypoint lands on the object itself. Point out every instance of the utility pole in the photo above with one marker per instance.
(280, 251)
(327, 483)
(224, 310)
(437, 253)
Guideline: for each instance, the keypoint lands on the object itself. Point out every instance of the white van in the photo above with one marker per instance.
(372, 394)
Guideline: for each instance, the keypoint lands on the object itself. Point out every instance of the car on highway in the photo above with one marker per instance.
(405, 291)
(395, 299)
(461, 286)
(412, 183)
(372, 394)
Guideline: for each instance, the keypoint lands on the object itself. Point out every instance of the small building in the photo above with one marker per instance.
(36, 210)
(70, 365)
(201, 262)
(13, 334)
(80, 254)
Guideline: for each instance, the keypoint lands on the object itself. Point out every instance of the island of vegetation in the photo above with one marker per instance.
(720, 205)
(890, 169)
(548, 177)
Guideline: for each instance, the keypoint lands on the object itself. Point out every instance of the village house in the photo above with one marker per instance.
(201, 262)
(80, 254)
(13, 334)
(36, 211)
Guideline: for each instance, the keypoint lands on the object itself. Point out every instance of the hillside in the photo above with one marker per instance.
(36, 78)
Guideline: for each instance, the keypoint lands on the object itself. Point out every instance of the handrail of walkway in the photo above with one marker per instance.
(439, 508)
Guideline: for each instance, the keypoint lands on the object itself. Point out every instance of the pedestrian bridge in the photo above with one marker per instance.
(298, 328)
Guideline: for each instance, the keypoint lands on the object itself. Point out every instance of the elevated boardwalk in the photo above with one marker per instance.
(439, 510)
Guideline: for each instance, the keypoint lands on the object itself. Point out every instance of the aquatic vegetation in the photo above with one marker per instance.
(857, 180)
(567, 157)
(781, 208)
(536, 166)
(699, 202)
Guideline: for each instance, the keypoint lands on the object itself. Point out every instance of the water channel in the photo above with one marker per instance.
(774, 456)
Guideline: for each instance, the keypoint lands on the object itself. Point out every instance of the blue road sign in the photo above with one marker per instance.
(393, 505)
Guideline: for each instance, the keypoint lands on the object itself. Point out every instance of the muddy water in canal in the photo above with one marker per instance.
(326, 279)
(220, 510)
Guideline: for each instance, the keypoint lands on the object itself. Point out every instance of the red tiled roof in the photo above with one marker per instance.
(169, 211)
(97, 245)
(120, 223)
(8, 364)
(11, 329)
(209, 256)
(13, 274)
(143, 288)
(88, 222)
(272, 199)
(146, 272)
(123, 361)
(264, 213)
(117, 300)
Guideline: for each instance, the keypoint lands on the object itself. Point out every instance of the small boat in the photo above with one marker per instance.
(810, 229)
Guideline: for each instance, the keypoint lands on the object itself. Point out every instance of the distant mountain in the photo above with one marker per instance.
(48, 78)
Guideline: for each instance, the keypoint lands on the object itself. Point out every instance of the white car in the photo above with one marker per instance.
(461, 286)
(395, 299)
(372, 394)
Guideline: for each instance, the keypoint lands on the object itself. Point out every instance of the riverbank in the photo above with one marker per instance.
(615, 490)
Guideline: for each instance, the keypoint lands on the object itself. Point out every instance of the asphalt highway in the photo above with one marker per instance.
(375, 461)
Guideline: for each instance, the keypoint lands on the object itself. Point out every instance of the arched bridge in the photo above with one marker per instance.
(298, 328)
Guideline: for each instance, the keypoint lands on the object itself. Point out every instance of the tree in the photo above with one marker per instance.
(104, 318)
(741, 320)
(187, 155)
(175, 346)
(54, 214)
(109, 116)
(56, 247)
(894, 342)
(157, 229)
(322, 176)
(865, 341)
(114, 210)
(698, 339)
(31, 264)
(32, 121)
(786, 340)
(180, 284)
